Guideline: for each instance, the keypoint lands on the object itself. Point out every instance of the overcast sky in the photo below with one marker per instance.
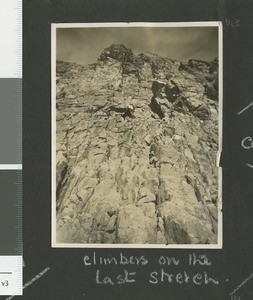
(84, 45)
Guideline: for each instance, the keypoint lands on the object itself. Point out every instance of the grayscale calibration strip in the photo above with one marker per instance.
(11, 246)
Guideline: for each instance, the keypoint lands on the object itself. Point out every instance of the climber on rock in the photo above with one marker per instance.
(152, 158)
(129, 111)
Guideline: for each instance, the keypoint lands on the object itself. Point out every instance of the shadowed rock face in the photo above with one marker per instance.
(148, 178)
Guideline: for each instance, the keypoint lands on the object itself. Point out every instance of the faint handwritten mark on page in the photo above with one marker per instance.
(245, 108)
(241, 285)
(249, 165)
(233, 23)
(32, 280)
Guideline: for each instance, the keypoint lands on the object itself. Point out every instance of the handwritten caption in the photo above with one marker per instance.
(162, 273)
(247, 142)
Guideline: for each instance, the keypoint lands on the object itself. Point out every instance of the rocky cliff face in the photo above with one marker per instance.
(147, 177)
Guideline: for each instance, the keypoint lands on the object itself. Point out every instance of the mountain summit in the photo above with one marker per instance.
(118, 52)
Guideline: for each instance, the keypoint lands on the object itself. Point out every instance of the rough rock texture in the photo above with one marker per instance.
(147, 178)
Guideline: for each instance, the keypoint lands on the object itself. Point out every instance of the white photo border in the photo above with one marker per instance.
(54, 27)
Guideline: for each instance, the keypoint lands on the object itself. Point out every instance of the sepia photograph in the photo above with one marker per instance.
(136, 135)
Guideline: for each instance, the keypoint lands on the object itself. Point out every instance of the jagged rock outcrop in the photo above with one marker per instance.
(147, 178)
